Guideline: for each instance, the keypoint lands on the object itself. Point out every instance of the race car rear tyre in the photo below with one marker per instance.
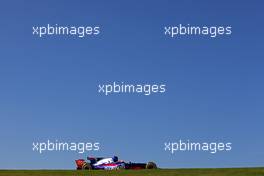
(86, 166)
(151, 165)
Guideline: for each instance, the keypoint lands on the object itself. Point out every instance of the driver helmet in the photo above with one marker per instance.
(115, 158)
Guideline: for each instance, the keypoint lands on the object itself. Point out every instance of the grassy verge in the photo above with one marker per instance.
(159, 172)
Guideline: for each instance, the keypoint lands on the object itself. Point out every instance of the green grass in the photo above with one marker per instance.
(158, 172)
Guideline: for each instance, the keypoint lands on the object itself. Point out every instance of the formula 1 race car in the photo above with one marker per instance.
(100, 163)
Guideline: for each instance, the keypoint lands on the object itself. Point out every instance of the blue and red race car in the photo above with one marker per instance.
(100, 163)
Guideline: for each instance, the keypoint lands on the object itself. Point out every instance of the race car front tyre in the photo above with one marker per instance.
(151, 165)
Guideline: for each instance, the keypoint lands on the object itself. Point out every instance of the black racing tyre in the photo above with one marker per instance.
(151, 165)
(86, 166)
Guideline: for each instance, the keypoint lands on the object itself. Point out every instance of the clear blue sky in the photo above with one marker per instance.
(48, 87)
